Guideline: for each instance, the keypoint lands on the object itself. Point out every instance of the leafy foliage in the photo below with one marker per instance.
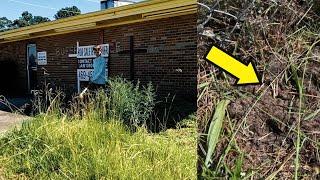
(4, 23)
(67, 12)
(132, 103)
(39, 19)
(215, 129)
(26, 19)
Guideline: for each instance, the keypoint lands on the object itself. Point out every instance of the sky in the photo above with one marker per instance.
(12, 9)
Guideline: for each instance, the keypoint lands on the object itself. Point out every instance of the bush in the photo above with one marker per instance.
(132, 103)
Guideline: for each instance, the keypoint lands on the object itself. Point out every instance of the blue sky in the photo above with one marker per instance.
(12, 9)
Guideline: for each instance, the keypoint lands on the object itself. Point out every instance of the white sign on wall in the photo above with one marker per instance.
(87, 51)
(42, 58)
(85, 74)
(85, 56)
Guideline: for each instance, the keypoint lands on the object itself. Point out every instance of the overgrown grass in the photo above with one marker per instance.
(90, 142)
(87, 149)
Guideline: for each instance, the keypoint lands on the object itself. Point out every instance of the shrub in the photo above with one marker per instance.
(132, 103)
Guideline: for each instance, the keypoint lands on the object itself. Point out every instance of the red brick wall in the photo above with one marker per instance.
(62, 69)
(167, 59)
(170, 60)
(15, 52)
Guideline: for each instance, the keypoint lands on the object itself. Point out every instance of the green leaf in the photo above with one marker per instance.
(215, 129)
(237, 170)
(312, 115)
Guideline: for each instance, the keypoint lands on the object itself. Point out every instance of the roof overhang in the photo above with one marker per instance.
(139, 12)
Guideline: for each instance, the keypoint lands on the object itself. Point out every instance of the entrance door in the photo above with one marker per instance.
(31, 67)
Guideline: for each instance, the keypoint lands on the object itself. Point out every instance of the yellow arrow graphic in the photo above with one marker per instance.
(246, 74)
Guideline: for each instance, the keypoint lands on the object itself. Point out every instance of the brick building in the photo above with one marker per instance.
(151, 41)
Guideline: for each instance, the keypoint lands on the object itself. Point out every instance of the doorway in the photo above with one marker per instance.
(31, 67)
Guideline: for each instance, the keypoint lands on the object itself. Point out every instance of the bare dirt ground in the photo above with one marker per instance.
(271, 130)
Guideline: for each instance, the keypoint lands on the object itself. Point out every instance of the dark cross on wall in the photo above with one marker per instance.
(132, 51)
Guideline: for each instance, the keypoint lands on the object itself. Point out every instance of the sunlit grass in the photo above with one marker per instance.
(101, 137)
(60, 149)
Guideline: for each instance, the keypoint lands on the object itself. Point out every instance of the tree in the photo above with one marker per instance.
(39, 19)
(26, 16)
(23, 21)
(67, 12)
(28, 19)
(4, 23)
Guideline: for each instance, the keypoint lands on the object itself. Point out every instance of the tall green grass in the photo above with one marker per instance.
(61, 149)
(132, 103)
(93, 140)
